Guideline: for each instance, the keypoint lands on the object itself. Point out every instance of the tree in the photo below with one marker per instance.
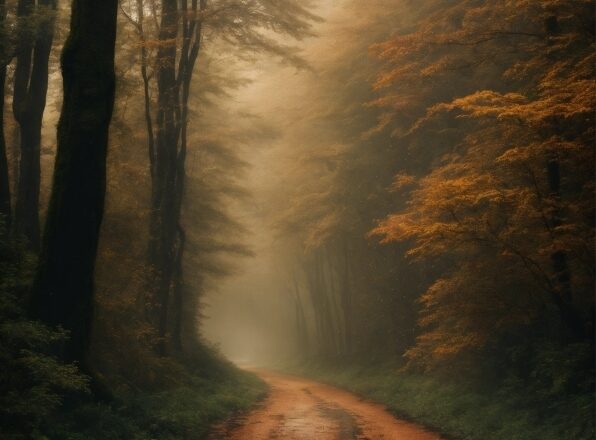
(336, 171)
(63, 290)
(176, 40)
(5, 206)
(36, 32)
(508, 198)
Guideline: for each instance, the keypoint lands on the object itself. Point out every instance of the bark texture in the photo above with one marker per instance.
(63, 290)
(5, 207)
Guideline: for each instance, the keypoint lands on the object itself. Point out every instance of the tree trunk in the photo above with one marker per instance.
(322, 306)
(562, 291)
(178, 306)
(162, 232)
(346, 298)
(332, 290)
(310, 268)
(5, 208)
(301, 329)
(167, 154)
(30, 90)
(63, 289)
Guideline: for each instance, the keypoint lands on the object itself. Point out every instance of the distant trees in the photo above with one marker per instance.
(35, 29)
(357, 296)
(459, 189)
(169, 50)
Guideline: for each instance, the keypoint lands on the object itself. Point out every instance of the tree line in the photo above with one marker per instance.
(446, 220)
(138, 199)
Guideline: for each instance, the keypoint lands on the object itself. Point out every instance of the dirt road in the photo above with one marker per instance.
(300, 409)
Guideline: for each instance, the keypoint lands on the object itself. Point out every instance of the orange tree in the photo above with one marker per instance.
(503, 92)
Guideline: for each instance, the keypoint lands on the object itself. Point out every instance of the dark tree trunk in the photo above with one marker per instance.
(346, 298)
(334, 299)
(322, 306)
(167, 156)
(5, 208)
(562, 295)
(301, 329)
(317, 309)
(562, 291)
(328, 303)
(63, 289)
(178, 306)
(30, 90)
(163, 233)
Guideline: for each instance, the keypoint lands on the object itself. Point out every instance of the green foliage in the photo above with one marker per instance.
(463, 412)
(189, 411)
(33, 383)
(185, 412)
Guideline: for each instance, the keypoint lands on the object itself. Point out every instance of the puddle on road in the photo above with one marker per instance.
(348, 428)
(299, 409)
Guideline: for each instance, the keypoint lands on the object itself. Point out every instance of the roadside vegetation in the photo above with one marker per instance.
(461, 410)
(185, 411)
(45, 398)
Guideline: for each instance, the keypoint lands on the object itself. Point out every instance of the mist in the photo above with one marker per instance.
(321, 219)
(251, 315)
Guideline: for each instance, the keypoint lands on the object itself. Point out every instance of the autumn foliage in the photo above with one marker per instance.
(508, 196)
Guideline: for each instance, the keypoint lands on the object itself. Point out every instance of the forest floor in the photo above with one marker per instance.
(301, 409)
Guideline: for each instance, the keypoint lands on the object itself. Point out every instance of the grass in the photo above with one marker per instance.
(185, 412)
(457, 411)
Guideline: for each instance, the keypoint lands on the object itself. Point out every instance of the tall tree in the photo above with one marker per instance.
(36, 22)
(511, 203)
(63, 289)
(5, 208)
(166, 245)
(177, 34)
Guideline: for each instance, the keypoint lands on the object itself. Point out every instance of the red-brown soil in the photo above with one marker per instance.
(300, 409)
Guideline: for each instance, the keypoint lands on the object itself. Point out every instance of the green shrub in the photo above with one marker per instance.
(32, 382)
(185, 412)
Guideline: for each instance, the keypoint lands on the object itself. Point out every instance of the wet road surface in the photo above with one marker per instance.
(300, 409)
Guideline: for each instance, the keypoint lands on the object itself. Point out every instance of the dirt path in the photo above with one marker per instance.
(300, 409)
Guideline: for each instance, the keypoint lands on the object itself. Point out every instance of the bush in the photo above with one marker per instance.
(33, 383)
(185, 412)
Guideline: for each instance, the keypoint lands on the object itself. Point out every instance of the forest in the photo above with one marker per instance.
(298, 220)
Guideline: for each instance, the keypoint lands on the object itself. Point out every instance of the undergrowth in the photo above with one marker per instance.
(459, 411)
(186, 412)
(44, 398)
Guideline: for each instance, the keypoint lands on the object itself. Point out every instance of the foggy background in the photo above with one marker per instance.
(250, 315)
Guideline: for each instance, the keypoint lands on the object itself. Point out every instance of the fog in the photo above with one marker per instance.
(250, 316)
(390, 198)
